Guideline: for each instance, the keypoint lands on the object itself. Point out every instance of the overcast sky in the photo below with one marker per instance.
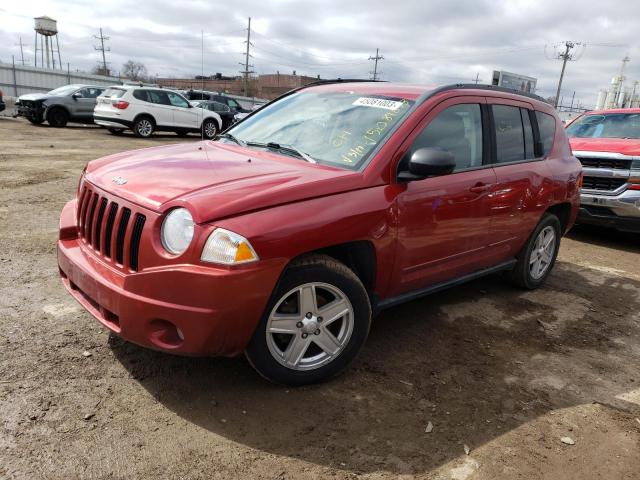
(432, 41)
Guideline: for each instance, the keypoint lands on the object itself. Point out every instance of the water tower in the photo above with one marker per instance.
(47, 29)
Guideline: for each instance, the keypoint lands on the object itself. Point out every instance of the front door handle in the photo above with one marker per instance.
(480, 187)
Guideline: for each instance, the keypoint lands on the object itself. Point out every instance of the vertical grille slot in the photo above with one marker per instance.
(89, 219)
(134, 248)
(83, 210)
(122, 230)
(108, 231)
(99, 218)
(79, 206)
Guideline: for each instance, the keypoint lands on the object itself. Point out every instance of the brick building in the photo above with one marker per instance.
(261, 86)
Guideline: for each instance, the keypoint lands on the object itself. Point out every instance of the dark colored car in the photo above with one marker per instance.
(221, 109)
(607, 143)
(233, 104)
(70, 103)
(283, 237)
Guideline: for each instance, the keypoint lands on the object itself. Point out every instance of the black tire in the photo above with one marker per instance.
(116, 131)
(36, 120)
(144, 127)
(209, 129)
(182, 133)
(57, 117)
(323, 270)
(522, 275)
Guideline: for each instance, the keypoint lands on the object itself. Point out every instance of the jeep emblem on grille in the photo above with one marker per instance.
(118, 180)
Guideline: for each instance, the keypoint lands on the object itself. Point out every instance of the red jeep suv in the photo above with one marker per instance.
(284, 236)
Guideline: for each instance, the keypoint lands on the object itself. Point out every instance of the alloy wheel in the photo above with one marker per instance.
(145, 127)
(542, 252)
(310, 326)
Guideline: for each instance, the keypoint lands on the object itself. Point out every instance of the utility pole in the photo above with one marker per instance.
(21, 52)
(477, 78)
(375, 65)
(246, 65)
(565, 57)
(102, 48)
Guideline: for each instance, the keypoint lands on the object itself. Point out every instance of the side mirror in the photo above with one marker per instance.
(428, 162)
(77, 95)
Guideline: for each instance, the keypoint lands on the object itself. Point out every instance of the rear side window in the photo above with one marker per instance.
(547, 128)
(158, 97)
(113, 93)
(141, 95)
(510, 144)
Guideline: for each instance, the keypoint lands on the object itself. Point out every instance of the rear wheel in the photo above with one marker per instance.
(116, 131)
(209, 129)
(537, 257)
(143, 127)
(57, 117)
(314, 325)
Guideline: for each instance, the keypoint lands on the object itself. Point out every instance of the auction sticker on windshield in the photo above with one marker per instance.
(378, 103)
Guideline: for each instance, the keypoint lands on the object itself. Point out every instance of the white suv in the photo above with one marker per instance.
(147, 109)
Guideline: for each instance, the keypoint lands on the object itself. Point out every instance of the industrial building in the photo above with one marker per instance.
(619, 94)
(261, 86)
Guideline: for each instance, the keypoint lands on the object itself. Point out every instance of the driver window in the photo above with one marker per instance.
(457, 129)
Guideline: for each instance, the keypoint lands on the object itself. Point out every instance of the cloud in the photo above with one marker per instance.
(422, 42)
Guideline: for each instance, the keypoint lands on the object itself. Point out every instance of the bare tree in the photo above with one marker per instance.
(134, 70)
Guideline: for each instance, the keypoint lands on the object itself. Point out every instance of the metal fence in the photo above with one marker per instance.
(16, 80)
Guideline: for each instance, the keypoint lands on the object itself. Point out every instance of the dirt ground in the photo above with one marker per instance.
(504, 372)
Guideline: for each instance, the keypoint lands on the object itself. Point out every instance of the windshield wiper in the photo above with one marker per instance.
(284, 148)
(233, 139)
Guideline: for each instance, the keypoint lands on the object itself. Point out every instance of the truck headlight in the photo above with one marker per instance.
(176, 232)
(227, 248)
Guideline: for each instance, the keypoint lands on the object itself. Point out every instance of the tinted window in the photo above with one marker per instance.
(141, 95)
(509, 133)
(158, 97)
(458, 129)
(177, 101)
(547, 127)
(528, 134)
(218, 107)
(91, 92)
(232, 103)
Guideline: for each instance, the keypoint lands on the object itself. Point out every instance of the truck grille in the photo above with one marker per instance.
(615, 164)
(105, 226)
(602, 183)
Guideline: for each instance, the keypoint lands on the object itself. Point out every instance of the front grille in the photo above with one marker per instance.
(602, 183)
(605, 163)
(105, 227)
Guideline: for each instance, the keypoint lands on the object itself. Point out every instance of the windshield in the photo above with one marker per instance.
(610, 125)
(333, 128)
(67, 89)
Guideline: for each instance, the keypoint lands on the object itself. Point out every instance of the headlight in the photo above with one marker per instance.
(177, 231)
(227, 248)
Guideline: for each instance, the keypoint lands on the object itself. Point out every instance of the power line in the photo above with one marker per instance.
(375, 65)
(102, 48)
(565, 57)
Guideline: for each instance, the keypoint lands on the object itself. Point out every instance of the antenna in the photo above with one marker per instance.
(375, 65)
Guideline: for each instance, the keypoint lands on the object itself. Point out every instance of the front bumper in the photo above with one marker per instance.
(620, 211)
(183, 309)
(30, 109)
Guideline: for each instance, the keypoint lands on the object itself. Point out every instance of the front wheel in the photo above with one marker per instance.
(209, 129)
(537, 257)
(314, 325)
(57, 117)
(115, 131)
(36, 120)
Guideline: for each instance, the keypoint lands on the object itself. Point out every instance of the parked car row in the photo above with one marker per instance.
(142, 109)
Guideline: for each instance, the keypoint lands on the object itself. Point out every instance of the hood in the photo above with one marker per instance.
(213, 179)
(34, 97)
(626, 146)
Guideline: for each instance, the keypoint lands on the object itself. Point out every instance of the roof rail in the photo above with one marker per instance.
(494, 88)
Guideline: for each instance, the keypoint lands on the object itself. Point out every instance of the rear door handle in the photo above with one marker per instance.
(480, 187)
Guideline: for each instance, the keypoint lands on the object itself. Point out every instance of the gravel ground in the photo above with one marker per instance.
(501, 372)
